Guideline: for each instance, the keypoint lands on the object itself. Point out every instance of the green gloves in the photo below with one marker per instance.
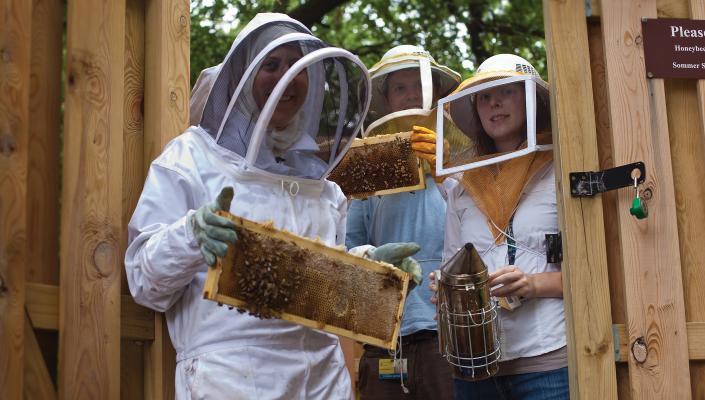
(399, 255)
(212, 231)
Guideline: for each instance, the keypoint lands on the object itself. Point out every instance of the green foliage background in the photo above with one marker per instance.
(458, 33)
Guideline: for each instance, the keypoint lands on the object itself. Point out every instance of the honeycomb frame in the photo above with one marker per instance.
(411, 165)
(362, 300)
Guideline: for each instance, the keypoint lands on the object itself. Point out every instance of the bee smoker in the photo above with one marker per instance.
(467, 316)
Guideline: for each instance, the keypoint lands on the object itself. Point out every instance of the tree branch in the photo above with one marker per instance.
(312, 12)
(382, 46)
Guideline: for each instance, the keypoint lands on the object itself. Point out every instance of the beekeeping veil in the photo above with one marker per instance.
(433, 79)
(495, 181)
(333, 100)
(470, 146)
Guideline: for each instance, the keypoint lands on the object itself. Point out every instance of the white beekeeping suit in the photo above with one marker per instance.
(277, 167)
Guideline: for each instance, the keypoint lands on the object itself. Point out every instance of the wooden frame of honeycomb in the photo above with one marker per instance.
(379, 165)
(273, 273)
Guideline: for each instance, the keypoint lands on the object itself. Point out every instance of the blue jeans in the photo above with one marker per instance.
(549, 385)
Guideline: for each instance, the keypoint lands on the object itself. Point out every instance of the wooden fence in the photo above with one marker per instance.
(125, 85)
(628, 280)
(123, 81)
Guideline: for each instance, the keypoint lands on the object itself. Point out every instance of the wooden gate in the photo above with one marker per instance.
(125, 83)
(629, 281)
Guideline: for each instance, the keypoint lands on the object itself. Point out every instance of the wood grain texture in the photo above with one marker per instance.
(686, 134)
(696, 341)
(585, 275)
(91, 214)
(686, 120)
(38, 383)
(672, 8)
(42, 302)
(167, 75)
(650, 254)
(132, 352)
(694, 308)
(604, 145)
(44, 127)
(697, 11)
(15, 41)
(166, 99)
(133, 151)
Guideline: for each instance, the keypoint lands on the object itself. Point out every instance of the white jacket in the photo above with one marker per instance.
(538, 326)
(221, 353)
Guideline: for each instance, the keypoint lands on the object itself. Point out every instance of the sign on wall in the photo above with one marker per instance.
(674, 48)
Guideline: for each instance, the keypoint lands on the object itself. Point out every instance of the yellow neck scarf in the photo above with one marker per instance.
(496, 189)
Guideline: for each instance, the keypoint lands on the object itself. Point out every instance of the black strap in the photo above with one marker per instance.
(511, 243)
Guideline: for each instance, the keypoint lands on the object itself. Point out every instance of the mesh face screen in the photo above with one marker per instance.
(271, 276)
(371, 168)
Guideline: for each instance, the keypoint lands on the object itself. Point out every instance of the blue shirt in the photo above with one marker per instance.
(404, 217)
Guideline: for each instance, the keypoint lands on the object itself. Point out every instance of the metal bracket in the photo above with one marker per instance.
(588, 184)
(615, 339)
(554, 248)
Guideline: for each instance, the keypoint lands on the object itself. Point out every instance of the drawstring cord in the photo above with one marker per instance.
(517, 245)
(399, 357)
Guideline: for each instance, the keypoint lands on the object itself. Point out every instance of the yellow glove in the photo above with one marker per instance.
(423, 142)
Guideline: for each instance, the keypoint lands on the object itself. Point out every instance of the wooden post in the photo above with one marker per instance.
(650, 255)
(586, 289)
(44, 125)
(697, 11)
(609, 199)
(15, 41)
(132, 368)
(686, 124)
(167, 75)
(167, 89)
(91, 214)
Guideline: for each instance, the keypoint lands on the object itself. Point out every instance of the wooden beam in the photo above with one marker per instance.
(167, 76)
(586, 288)
(91, 214)
(693, 265)
(15, 42)
(697, 11)
(696, 341)
(672, 8)
(167, 89)
(609, 199)
(650, 254)
(38, 384)
(42, 302)
(132, 353)
(44, 126)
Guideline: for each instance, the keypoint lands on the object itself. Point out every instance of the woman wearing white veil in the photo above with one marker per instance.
(278, 114)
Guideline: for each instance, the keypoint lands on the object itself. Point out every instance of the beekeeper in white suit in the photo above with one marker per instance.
(282, 111)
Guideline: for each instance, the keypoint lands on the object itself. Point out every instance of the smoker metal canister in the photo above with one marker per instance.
(468, 334)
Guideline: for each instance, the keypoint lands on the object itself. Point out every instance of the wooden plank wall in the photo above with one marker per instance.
(166, 97)
(609, 199)
(109, 45)
(132, 352)
(91, 213)
(588, 322)
(43, 184)
(15, 40)
(686, 107)
(650, 256)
